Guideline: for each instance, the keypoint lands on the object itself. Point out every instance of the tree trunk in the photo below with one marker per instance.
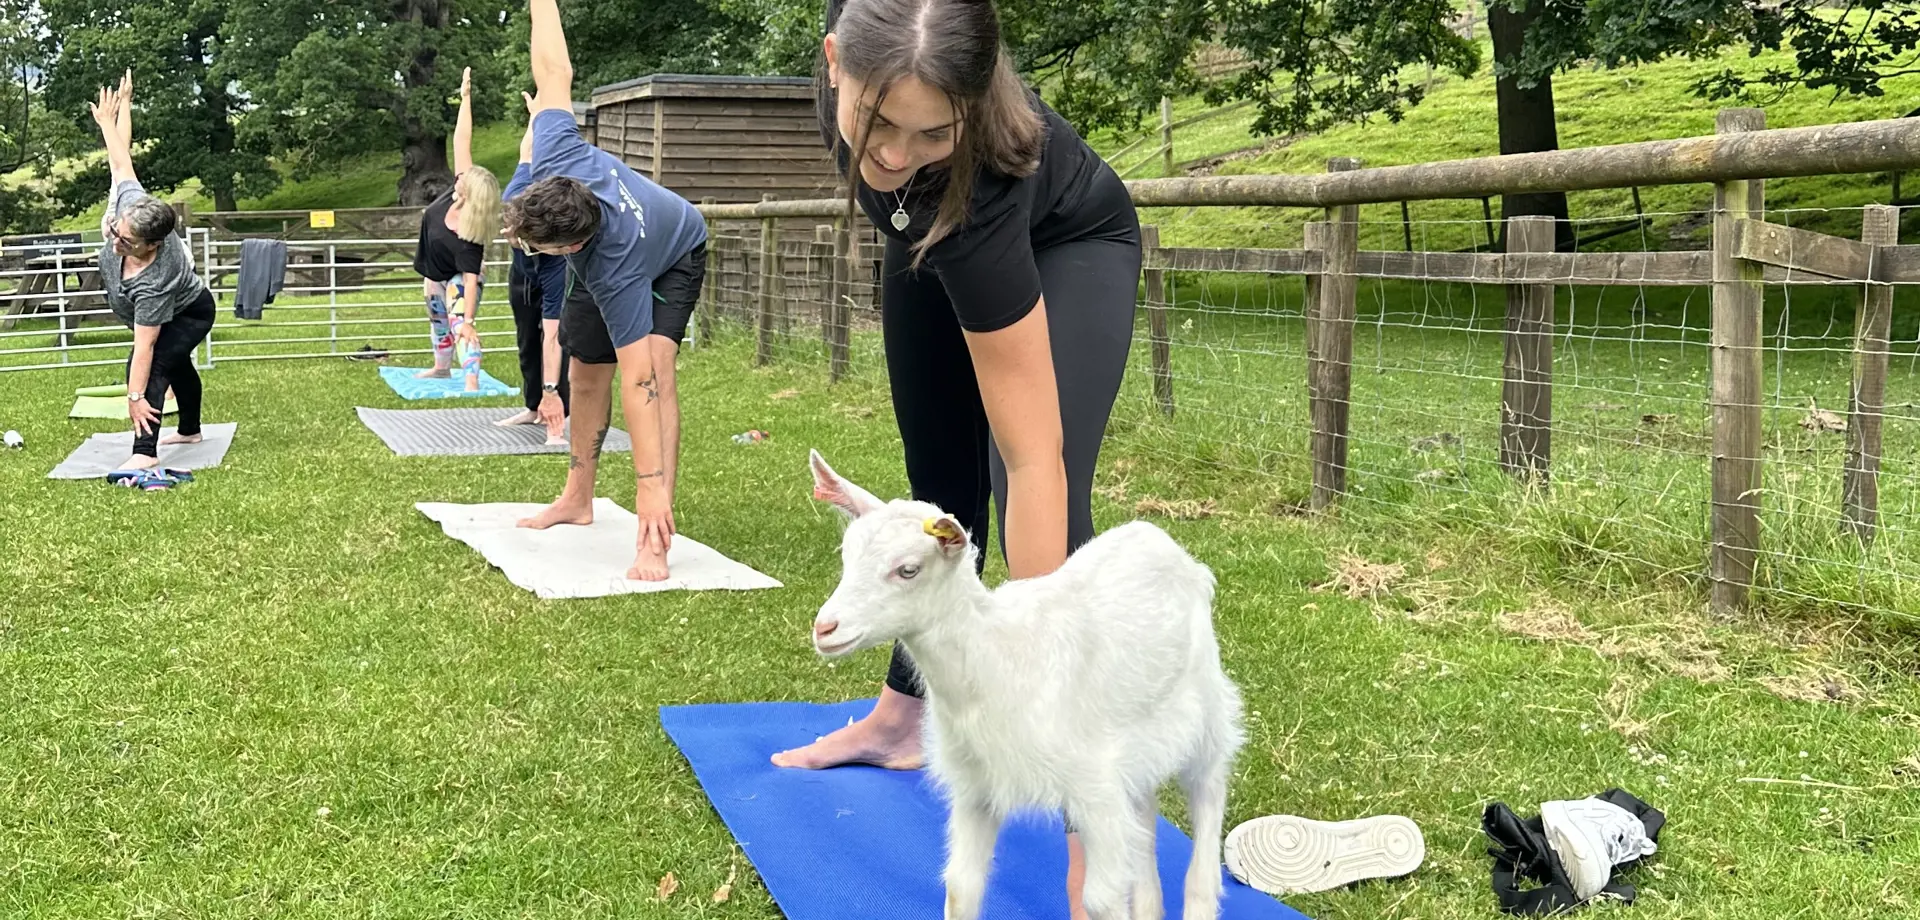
(425, 174)
(1526, 119)
(219, 114)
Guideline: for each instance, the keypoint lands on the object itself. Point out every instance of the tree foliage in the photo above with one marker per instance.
(329, 80)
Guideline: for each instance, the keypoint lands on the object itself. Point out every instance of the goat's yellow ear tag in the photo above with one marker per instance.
(940, 528)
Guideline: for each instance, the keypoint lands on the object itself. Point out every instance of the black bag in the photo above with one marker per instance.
(1521, 851)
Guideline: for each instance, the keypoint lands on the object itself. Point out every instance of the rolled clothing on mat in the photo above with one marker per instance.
(263, 271)
(860, 841)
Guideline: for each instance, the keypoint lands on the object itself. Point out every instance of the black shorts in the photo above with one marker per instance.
(583, 332)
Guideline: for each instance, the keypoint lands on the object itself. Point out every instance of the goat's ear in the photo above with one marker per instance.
(951, 536)
(829, 487)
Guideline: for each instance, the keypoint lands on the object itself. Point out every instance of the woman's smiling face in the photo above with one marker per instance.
(916, 125)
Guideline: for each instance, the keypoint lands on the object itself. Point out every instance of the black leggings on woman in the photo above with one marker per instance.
(172, 366)
(1089, 289)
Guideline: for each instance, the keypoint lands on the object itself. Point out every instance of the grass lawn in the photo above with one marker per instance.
(281, 692)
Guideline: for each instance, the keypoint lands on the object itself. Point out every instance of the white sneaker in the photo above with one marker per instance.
(1591, 837)
(1284, 854)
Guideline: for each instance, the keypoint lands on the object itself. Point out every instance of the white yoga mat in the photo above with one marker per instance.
(570, 561)
(103, 453)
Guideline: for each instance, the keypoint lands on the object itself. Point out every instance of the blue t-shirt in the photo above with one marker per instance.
(644, 228)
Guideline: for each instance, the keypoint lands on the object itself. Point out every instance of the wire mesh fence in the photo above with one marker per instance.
(1220, 395)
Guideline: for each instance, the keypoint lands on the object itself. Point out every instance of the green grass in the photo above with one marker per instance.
(281, 692)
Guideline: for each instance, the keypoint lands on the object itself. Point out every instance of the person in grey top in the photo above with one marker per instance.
(147, 271)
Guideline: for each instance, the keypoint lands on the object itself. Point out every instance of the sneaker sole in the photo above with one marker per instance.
(1284, 854)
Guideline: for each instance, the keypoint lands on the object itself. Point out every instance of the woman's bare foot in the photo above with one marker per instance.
(564, 511)
(888, 737)
(140, 462)
(180, 439)
(439, 372)
(649, 564)
(473, 384)
(524, 417)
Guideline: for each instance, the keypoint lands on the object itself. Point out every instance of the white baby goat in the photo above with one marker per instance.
(1083, 690)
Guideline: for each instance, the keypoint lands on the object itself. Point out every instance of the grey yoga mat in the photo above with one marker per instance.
(466, 433)
(103, 453)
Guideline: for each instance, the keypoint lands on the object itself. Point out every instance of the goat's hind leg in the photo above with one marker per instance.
(1115, 843)
(971, 831)
(1206, 787)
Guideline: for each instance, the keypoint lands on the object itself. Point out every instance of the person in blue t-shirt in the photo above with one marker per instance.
(640, 250)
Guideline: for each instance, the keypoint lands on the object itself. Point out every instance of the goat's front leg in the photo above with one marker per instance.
(971, 831)
(1115, 842)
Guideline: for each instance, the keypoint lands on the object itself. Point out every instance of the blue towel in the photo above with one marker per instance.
(403, 382)
(866, 842)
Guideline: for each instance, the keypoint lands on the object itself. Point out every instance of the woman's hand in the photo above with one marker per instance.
(106, 110)
(144, 415)
(466, 85)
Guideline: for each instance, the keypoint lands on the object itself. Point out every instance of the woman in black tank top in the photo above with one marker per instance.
(1007, 299)
(451, 254)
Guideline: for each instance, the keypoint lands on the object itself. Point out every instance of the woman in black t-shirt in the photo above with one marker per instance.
(1007, 300)
(451, 254)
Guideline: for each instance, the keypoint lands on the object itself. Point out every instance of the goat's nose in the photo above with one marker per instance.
(823, 630)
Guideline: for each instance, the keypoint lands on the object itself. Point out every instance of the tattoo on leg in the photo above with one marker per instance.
(656, 474)
(598, 441)
(574, 462)
(651, 386)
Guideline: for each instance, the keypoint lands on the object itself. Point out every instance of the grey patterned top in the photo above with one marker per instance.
(157, 293)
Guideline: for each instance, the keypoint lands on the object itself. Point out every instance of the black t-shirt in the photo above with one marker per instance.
(986, 263)
(441, 253)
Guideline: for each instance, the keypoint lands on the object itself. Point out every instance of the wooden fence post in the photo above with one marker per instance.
(1157, 324)
(820, 279)
(769, 259)
(1736, 366)
(839, 289)
(1526, 405)
(710, 285)
(1166, 136)
(1330, 346)
(1879, 226)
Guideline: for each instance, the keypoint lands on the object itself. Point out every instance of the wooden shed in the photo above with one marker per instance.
(734, 139)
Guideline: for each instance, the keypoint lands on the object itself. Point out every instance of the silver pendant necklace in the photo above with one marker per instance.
(900, 218)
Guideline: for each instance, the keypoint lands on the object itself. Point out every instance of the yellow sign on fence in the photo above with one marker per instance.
(319, 219)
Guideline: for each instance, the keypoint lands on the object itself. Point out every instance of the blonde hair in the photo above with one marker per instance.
(480, 213)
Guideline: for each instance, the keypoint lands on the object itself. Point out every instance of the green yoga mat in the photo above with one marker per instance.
(109, 402)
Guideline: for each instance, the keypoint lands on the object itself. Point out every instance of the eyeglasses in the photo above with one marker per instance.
(113, 229)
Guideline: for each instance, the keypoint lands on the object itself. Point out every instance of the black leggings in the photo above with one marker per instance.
(172, 366)
(1090, 289)
(523, 292)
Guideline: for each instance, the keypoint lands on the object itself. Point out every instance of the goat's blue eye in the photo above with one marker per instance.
(907, 571)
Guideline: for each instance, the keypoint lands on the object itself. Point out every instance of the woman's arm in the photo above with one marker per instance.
(112, 111)
(552, 71)
(463, 126)
(1015, 369)
(137, 372)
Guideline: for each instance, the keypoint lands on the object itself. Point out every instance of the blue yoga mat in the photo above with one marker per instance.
(861, 841)
(403, 382)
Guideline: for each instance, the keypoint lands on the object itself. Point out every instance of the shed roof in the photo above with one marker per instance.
(703, 86)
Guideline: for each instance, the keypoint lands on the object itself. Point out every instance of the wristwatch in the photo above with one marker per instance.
(136, 397)
(549, 388)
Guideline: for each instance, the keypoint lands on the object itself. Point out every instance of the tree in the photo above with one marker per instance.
(21, 69)
(614, 40)
(335, 79)
(186, 110)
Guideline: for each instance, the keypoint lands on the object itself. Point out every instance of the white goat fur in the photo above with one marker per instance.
(1084, 690)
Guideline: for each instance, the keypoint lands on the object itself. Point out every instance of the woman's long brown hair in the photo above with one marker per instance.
(954, 47)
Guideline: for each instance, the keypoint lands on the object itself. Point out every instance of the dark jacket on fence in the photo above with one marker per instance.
(263, 270)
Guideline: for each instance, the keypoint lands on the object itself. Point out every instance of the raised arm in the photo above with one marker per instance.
(113, 112)
(526, 137)
(552, 71)
(463, 127)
